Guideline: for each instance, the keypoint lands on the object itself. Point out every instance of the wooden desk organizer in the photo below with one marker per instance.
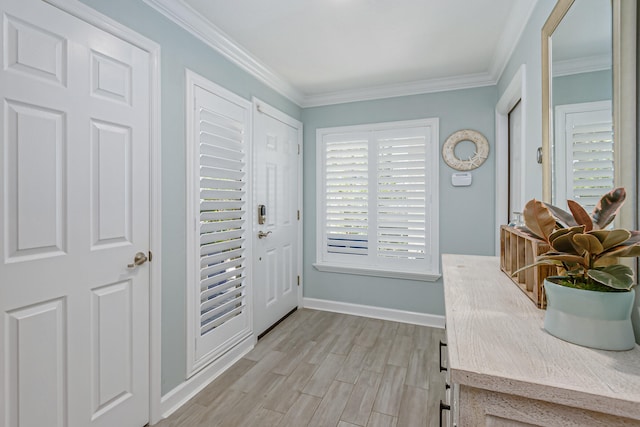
(517, 249)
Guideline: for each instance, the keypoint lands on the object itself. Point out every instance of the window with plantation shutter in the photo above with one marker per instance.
(592, 161)
(219, 243)
(584, 165)
(377, 213)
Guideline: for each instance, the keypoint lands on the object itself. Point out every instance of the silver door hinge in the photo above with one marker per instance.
(298, 280)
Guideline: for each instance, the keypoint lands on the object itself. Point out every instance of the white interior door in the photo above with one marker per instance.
(74, 211)
(276, 140)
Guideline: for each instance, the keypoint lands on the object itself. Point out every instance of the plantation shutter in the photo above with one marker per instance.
(401, 194)
(222, 223)
(591, 159)
(347, 194)
(378, 190)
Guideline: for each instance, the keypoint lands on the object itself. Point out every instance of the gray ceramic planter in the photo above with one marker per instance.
(599, 320)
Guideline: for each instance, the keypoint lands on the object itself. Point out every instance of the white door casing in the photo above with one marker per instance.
(516, 176)
(277, 179)
(514, 93)
(75, 211)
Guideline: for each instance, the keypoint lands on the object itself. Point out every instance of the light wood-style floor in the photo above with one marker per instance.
(325, 369)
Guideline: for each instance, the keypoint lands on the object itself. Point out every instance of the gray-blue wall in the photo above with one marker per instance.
(583, 87)
(180, 50)
(528, 51)
(466, 213)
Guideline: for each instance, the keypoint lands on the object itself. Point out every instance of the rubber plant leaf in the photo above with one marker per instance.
(539, 262)
(608, 207)
(634, 238)
(566, 231)
(562, 257)
(614, 276)
(538, 219)
(562, 216)
(526, 231)
(581, 216)
(589, 243)
(563, 242)
(611, 238)
(624, 251)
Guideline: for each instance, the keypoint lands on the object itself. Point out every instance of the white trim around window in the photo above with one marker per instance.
(377, 187)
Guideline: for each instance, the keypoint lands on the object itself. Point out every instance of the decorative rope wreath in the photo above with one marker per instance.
(478, 158)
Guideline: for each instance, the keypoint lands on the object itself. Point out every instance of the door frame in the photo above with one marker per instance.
(104, 23)
(514, 93)
(261, 107)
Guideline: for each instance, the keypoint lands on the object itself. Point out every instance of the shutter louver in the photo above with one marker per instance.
(592, 162)
(347, 194)
(401, 198)
(222, 220)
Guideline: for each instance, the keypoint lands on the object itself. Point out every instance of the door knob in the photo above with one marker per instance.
(262, 234)
(139, 259)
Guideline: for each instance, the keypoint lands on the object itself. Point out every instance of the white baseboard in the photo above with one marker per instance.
(185, 391)
(412, 317)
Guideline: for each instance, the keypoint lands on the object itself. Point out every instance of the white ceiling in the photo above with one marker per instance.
(338, 50)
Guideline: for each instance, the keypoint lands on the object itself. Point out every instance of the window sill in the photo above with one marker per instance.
(368, 271)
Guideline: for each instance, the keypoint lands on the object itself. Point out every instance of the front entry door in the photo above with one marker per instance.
(276, 246)
(74, 212)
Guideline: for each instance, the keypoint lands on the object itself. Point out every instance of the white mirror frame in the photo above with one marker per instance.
(624, 102)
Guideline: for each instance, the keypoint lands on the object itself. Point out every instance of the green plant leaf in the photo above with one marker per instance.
(614, 276)
(608, 207)
(562, 216)
(589, 243)
(538, 219)
(580, 215)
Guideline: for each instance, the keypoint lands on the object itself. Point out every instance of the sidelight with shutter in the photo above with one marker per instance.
(378, 189)
(219, 261)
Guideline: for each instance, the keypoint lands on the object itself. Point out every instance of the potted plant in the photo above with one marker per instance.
(590, 303)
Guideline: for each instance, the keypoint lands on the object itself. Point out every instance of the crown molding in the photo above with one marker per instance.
(401, 89)
(193, 22)
(581, 65)
(514, 28)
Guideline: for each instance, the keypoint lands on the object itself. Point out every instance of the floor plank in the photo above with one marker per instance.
(326, 369)
(382, 420)
(361, 401)
(390, 393)
(332, 405)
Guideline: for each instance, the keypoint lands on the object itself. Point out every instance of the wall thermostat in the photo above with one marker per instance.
(462, 179)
